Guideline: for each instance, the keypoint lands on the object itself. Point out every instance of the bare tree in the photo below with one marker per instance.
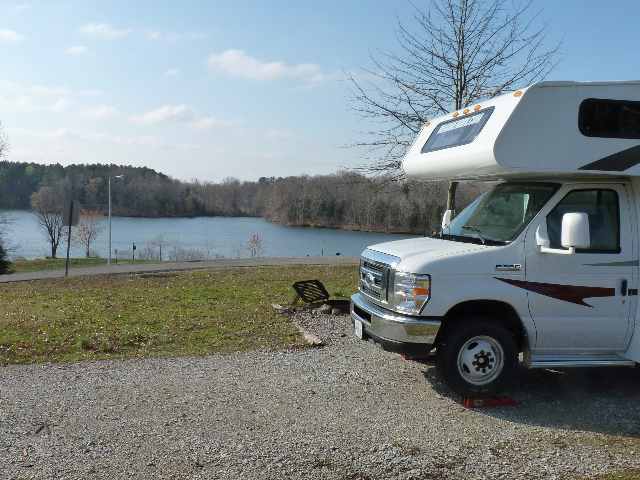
(255, 245)
(88, 229)
(4, 220)
(456, 53)
(4, 143)
(160, 243)
(48, 205)
(5, 264)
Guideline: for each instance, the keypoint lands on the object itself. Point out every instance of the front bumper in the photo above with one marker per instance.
(394, 331)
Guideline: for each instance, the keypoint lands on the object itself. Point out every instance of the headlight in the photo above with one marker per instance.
(410, 292)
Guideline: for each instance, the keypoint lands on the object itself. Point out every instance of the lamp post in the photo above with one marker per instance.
(109, 255)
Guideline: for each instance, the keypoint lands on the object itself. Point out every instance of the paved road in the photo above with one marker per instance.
(178, 266)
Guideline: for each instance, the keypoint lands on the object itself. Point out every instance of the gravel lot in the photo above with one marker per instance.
(344, 411)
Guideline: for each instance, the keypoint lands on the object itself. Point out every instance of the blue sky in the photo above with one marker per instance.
(222, 88)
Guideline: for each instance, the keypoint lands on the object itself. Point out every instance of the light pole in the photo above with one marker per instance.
(109, 256)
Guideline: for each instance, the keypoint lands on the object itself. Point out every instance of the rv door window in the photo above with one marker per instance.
(609, 118)
(460, 131)
(601, 205)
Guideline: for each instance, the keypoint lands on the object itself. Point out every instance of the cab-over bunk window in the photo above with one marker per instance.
(605, 118)
(456, 132)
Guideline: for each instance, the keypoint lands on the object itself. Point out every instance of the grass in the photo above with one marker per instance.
(626, 475)
(194, 313)
(38, 264)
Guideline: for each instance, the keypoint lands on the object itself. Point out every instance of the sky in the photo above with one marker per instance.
(213, 89)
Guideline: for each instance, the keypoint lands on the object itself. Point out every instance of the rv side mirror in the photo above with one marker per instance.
(573, 235)
(446, 218)
(575, 231)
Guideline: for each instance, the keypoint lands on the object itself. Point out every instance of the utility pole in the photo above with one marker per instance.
(109, 246)
(109, 195)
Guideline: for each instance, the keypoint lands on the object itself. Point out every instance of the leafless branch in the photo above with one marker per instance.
(4, 143)
(453, 54)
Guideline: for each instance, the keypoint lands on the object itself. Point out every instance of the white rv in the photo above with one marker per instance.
(544, 266)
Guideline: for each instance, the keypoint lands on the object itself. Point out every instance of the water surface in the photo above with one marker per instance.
(209, 236)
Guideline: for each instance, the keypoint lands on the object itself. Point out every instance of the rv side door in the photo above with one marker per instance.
(581, 302)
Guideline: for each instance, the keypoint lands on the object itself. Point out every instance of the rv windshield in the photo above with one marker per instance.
(498, 216)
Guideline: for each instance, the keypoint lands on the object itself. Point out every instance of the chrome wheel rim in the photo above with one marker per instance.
(480, 360)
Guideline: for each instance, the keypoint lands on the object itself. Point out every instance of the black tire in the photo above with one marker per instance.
(455, 338)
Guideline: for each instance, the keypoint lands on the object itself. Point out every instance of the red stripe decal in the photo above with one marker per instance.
(567, 293)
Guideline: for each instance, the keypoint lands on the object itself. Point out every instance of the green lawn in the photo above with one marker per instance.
(192, 313)
(629, 475)
(39, 264)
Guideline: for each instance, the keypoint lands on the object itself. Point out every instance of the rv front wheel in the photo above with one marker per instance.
(477, 357)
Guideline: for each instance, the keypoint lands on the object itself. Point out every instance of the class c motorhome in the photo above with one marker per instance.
(543, 268)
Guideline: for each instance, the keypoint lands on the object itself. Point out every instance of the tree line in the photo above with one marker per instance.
(342, 200)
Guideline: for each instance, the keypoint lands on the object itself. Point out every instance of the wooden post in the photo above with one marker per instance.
(451, 196)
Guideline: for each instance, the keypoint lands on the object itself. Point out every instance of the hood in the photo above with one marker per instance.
(433, 255)
(432, 247)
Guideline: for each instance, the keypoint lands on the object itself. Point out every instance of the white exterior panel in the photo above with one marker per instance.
(531, 135)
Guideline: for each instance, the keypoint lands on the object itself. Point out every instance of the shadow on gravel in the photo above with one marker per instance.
(600, 400)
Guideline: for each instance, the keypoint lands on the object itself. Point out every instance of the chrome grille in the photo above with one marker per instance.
(375, 274)
(373, 279)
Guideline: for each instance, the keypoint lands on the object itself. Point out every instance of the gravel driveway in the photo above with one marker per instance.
(345, 411)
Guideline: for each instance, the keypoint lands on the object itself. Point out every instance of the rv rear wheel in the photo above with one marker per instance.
(477, 357)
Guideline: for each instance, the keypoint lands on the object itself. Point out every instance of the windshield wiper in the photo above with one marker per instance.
(475, 229)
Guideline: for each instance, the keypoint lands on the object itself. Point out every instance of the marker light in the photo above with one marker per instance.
(517, 93)
(476, 108)
(466, 111)
(455, 114)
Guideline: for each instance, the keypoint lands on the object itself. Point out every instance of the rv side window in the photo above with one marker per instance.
(604, 219)
(460, 131)
(609, 118)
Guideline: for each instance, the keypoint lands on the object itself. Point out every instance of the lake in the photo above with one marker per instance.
(200, 237)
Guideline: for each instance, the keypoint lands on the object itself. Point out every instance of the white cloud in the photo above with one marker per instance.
(89, 92)
(76, 50)
(10, 36)
(278, 135)
(179, 114)
(60, 105)
(66, 134)
(153, 35)
(207, 123)
(165, 113)
(172, 72)
(37, 98)
(101, 112)
(156, 35)
(238, 63)
(104, 31)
